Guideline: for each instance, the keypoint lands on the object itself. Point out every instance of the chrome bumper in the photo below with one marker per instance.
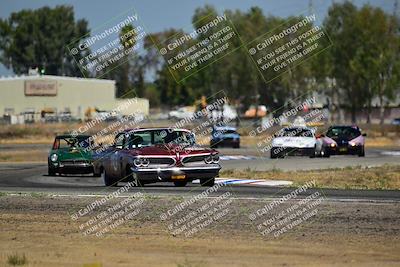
(214, 167)
(78, 165)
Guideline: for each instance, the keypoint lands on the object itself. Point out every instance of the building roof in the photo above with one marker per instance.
(53, 77)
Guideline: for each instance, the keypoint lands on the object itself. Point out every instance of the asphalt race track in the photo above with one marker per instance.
(373, 157)
(32, 177)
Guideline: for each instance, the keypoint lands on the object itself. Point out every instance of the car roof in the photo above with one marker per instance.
(297, 127)
(346, 126)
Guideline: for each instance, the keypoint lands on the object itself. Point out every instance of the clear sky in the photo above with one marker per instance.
(159, 15)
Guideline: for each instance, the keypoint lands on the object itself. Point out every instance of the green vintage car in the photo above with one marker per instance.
(71, 154)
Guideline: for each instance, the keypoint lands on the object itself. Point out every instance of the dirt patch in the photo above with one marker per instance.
(356, 234)
(27, 155)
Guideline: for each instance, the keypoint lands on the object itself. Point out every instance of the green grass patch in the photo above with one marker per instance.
(16, 259)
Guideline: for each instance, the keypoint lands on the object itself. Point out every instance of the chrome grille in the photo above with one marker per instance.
(193, 160)
(162, 161)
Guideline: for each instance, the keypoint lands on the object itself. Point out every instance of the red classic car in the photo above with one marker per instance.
(157, 155)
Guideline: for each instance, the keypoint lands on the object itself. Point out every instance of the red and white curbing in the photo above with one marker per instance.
(232, 181)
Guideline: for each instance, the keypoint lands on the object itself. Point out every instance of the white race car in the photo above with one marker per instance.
(297, 141)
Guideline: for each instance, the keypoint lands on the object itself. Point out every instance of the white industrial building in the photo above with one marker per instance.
(39, 94)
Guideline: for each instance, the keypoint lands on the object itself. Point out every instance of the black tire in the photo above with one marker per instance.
(362, 152)
(51, 171)
(312, 155)
(180, 183)
(236, 146)
(207, 181)
(136, 181)
(326, 153)
(96, 174)
(275, 155)
(108, 181)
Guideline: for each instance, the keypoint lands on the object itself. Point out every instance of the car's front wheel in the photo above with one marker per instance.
(207, 181)
(312, 153)
(51, 171)
(108, 181)
(134, 178)
(362, 152)
(275, 154)
(180, 183)
(325, 153)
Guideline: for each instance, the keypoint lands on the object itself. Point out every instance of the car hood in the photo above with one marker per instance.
(72, 153)
(168, 150)
(293, 142)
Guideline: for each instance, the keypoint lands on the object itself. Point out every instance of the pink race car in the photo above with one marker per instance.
(341, 140)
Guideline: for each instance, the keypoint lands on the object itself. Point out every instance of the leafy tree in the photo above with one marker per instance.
(388, 84)
(365, 55)
(171, 92)
(128, 71)
(344, 33)
(363, 62)
(38, 38)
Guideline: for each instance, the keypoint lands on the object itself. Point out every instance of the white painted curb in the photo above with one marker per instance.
(235, 181)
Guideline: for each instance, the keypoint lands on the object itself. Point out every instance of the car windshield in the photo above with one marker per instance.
(155, 137)
(343, 131)
(72, 142)
(295, 132)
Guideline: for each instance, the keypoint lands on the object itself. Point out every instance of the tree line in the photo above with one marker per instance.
(362, 64)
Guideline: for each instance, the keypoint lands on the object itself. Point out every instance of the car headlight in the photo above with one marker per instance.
(54, 157)
(208, 159)
(333, 144)
(141, 162)
(215, 158)
(211, 159)
(353, 144)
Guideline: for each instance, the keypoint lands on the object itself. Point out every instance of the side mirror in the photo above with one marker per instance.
(364, 134)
